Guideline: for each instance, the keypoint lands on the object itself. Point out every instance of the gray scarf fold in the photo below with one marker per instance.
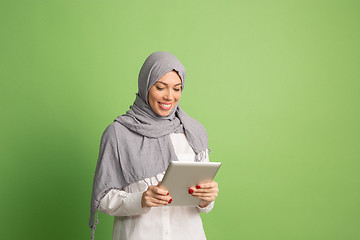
(137, 145)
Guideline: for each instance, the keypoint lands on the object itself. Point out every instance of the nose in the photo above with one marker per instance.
(169, 96)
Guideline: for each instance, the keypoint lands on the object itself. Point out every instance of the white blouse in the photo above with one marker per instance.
(132, 222)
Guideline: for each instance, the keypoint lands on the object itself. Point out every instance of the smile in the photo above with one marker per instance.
(165, 106)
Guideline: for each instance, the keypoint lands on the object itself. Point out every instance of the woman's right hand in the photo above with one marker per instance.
(155, 196)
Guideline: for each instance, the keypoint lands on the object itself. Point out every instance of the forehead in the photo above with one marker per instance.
(170, 78)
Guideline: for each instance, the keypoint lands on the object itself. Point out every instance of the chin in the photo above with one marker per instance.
(164, 113)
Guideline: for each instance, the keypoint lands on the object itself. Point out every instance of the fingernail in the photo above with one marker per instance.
(170, 200)
(167, 194)
(191, 191)
(198, 187)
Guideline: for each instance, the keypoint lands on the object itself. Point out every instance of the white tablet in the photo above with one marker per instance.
(180, 176)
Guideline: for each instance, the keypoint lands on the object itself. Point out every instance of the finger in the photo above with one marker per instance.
(154, 202)
(153, 194)
(151, 204)
(161, 197)
(206, 198)
(159, 202)
(206, 190)
(163, 188)
(158, 190)
(205, 194)
(207, 185)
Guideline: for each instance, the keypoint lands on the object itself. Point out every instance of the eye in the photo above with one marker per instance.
(177, 89)
(159, 88)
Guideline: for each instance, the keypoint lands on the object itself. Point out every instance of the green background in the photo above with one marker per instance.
(276, 84)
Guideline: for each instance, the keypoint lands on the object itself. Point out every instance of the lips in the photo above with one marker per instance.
(165, 106)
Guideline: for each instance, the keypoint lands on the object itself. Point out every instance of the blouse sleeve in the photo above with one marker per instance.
(120, 203)
(206, 209)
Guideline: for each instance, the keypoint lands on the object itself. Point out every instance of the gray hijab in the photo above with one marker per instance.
(137, 144)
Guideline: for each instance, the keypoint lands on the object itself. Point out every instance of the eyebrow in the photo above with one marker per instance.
(166, 83)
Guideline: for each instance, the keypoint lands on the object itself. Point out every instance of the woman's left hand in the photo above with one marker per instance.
(207, 192)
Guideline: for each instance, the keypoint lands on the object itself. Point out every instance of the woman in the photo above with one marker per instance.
(135, 151)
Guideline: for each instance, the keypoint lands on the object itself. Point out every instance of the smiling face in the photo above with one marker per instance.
(165, 93)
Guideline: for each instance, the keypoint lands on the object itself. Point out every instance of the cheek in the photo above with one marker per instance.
(152, 102)
(156, 96)
(177, 96)
(152, 97)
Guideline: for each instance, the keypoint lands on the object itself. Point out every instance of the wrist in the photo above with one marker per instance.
(204, 204)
